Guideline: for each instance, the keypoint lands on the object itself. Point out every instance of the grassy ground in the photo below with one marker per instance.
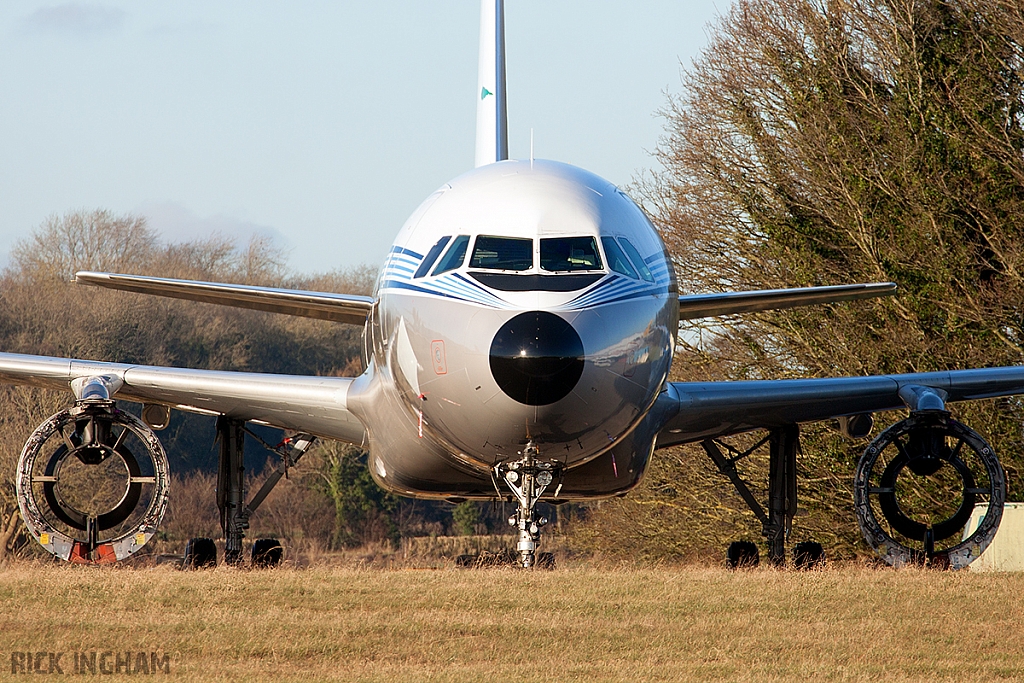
(688, 624)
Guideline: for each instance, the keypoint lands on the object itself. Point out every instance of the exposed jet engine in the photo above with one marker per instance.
(902, 491)
(856, 426)
(92, 480)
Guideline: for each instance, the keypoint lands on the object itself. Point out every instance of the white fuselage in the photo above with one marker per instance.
(543, 327)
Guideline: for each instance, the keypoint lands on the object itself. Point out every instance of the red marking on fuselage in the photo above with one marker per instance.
(437, 356)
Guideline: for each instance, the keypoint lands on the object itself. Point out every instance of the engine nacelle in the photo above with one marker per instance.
(92, 483)
(856, 426)
(926, 458)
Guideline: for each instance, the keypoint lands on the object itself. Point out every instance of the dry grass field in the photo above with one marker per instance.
(680, 624)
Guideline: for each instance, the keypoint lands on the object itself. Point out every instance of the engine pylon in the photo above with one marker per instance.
(92, 483)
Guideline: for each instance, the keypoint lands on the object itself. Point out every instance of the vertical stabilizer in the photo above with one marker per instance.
(491, 111)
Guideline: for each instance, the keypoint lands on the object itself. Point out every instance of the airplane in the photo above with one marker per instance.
(517, 343)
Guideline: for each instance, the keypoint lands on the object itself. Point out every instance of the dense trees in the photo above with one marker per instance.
(42, 312)
(363, 512)
(824, 142)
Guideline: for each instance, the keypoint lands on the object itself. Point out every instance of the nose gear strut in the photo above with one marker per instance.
(527, 478)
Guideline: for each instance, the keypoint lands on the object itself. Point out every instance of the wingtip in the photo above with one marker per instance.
(88, 277)
(881, 287)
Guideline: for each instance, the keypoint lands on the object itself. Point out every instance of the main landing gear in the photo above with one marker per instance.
(92, 481)
(777, 521)
(527, 478)
(234, 511)
(916, 488)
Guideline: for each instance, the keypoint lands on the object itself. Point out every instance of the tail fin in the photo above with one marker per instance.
(491, 110)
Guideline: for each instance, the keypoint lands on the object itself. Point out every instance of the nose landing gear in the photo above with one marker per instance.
(527, 478)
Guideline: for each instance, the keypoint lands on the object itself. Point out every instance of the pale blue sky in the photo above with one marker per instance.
(323, 124)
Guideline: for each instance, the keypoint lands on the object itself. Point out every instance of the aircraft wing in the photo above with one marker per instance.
(344, 308)
(351, 308)
(693, 411)
(692, 306)
(318, 405)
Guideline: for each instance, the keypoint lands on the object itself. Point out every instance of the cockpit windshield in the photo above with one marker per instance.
(617, 260)
(502, 253)
(638, 260)
(455, 256)
(565, 254)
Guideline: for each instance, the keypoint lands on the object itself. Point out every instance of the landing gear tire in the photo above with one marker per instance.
(200, 553)
(898, 480)
(266, 553)
(808, 555)
(487, 559)
(545, 561)
(742, 555)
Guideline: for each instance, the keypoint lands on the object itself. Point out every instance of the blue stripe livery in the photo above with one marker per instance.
(402, 263)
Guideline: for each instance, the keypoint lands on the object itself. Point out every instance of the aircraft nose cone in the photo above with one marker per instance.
(537, 358)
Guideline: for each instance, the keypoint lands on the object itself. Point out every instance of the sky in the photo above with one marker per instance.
(319, 124)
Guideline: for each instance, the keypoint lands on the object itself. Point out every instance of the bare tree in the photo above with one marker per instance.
(42, 312)
(85, 240)
(822, 142)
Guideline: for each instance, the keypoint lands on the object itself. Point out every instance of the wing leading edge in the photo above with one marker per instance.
(343, 308)
(692, 306)
(318, 405)
(351, 308)
(693, 411)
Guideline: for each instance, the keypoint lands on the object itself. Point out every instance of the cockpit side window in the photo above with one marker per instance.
(562, 254)
(638, 260)
(431, 256)
(455, 256)
(502, 253)
(617, 260)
